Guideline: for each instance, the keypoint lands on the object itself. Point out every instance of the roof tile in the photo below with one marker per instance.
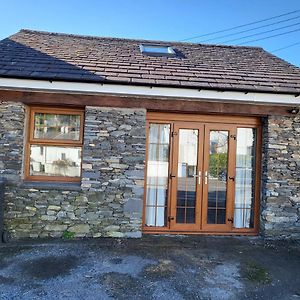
(44, 55)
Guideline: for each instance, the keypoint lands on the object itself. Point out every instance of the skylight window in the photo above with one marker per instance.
(157, 50)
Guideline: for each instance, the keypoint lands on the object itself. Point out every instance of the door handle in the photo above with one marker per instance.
(198, 176)
(206, 177)
(170, 218)
(230, 220)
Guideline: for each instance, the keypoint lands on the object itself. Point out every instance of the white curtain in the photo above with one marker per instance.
(160, 216)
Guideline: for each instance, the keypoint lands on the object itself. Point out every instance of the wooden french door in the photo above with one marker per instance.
(219, 168)
(186, 176)
(201, 175)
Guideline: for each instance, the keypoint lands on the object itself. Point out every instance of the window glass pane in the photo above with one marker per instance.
(186, 176)
(157, 174)
(55, 161)
(156, 216)
(217, 177)
(221, 216)
(180, 215)
(158, 152)
(245, 177)
(211, 216)
(150, 216)
(153, 133)
(56, 126)
(190, 215)
(151, 195)
(243, 218)
(157, 49)
(159, 133)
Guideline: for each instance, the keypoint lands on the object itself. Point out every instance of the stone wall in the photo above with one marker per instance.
(280, 217)
(113, 168)
(109, 200)
(12, 120)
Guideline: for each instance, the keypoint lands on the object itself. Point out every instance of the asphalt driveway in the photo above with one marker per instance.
(154, 267)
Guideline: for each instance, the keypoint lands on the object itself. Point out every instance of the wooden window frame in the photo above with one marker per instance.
(30, 140)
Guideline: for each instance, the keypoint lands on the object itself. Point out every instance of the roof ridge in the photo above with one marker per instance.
(134, 40)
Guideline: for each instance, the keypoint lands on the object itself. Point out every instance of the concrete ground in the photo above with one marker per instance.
(154, 267)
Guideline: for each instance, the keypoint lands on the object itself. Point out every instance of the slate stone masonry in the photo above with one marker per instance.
(280, 207)
(113, 168)
(12, 120)
(109, 200)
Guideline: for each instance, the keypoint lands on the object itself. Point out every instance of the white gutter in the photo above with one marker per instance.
(148, 91)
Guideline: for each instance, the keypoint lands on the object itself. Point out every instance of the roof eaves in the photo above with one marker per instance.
(254, 89)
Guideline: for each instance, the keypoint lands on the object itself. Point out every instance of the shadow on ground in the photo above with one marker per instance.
(153, 267)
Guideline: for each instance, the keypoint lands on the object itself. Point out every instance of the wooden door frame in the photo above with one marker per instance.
(230, 173)
(199, 187)
(167, 227)
(257, 192)
(237, 121)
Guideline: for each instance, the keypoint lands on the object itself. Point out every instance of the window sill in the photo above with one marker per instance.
(63, 186)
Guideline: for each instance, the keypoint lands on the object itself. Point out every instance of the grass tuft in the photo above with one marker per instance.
(68, 235)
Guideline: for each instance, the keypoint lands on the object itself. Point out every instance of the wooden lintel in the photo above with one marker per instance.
(151, 104)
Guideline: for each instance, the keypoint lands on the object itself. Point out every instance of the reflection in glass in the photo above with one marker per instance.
(157, 174)
(55, 161)
(217, 177)
(186, 181)
(244, 179)
(56, 126)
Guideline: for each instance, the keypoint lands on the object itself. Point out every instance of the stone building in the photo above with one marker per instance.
(117, 137)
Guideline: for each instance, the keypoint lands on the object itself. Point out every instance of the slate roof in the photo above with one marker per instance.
(54, 56)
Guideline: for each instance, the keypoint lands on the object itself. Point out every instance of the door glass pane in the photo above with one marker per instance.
(56, 126)
(55, 161)
(217, 177)
(245, 178)
(157, 174)
(186, 180)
